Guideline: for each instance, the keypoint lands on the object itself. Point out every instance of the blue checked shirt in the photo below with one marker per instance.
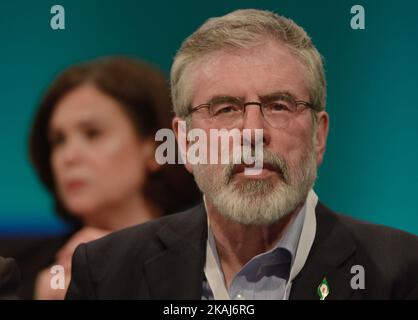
(264, 277)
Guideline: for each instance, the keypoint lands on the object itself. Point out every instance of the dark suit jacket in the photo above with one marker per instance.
(164, 259)
(9, 278)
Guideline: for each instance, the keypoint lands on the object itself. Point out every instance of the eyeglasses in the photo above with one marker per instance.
(277, 109)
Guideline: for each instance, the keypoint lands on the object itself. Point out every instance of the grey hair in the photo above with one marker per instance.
(240, 29)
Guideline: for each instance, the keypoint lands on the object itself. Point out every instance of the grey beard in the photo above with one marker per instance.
(259, 202)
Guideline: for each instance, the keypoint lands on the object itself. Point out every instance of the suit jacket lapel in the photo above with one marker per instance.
(176, 272)
(331, 258)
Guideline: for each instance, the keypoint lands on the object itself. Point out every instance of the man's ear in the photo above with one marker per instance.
(321, 135)
(180, 130)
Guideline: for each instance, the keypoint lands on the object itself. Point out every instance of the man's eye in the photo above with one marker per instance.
(278, 106)
(225, 109)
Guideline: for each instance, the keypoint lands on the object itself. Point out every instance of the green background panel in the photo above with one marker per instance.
(370, 169)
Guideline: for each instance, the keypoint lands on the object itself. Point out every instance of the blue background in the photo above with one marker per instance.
(370, 169)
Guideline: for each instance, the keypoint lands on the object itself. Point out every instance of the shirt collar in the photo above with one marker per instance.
(289, 241)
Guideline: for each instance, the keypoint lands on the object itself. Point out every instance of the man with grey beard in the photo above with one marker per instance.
(256, 235)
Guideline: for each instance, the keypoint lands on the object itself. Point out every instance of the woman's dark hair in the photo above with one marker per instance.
(143, 93)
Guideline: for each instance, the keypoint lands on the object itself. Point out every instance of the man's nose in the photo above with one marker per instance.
(254, 119)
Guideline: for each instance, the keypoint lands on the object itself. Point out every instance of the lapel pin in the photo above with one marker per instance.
(323, 289)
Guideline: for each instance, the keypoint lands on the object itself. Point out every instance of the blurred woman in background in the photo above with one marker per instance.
(92, 145)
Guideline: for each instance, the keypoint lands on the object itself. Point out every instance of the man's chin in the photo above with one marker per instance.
(247, 217)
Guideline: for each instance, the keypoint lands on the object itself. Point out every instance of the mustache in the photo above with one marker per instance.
(270, 160)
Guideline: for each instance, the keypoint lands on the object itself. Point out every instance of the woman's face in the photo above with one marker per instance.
(97, 158)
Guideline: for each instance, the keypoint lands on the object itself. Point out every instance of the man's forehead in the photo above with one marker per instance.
(263, 67)
(259, 53)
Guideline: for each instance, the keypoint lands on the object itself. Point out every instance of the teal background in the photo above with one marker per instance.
(370, 169)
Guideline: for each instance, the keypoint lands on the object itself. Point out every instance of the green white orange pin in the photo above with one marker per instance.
(323, 289)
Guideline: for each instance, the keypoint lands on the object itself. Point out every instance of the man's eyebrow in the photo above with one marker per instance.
(277, 94)
(223, 98)
(268, 97)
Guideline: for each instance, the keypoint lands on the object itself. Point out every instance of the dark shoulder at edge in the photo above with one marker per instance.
(364, 228)
(137, 235)
(379, 239)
